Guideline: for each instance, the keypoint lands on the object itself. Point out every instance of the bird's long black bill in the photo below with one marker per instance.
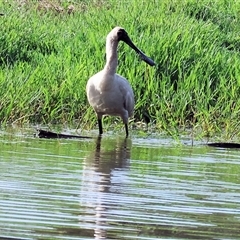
(145, 58)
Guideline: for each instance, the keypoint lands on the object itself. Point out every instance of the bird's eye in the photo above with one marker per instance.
(121, 33)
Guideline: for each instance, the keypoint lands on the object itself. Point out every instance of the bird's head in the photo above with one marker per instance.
(119, 34)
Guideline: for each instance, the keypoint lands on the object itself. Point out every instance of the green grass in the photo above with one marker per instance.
(47, 56)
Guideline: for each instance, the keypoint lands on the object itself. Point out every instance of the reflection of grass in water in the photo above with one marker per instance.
(47, 54)
(183, 232)
(151, 230)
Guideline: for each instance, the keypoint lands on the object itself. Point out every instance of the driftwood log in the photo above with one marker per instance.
(224, 145)
(48, 134)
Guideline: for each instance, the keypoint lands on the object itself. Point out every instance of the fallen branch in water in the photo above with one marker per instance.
(48, 134)
(224, 145)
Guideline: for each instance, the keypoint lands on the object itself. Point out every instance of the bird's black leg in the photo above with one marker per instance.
(100, 126)
(126, 128)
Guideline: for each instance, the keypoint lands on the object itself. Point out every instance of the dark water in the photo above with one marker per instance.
(139, 188)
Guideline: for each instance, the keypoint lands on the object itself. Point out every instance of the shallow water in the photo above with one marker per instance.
(113, 188)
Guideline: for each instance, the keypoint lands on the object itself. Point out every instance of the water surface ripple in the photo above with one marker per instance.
(113, 188)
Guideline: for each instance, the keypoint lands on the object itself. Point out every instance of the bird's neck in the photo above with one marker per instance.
(111, 56)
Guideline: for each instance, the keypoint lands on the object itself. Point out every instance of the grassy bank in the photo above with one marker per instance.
(49, 49)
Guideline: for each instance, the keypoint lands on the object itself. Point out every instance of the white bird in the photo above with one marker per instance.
(107, 92)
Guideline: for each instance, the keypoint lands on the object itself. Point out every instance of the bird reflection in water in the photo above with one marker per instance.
(105, 171)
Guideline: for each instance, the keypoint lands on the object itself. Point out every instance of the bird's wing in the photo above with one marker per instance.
(128, 96)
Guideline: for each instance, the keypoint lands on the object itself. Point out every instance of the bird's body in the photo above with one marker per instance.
(107, 92)
(114, 97)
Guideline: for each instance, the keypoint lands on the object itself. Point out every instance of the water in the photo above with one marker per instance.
(139, 188)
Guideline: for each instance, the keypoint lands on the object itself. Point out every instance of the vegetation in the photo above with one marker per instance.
(49, 49)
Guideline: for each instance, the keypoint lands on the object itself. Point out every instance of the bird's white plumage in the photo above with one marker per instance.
(107, 92)
(113, 97)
